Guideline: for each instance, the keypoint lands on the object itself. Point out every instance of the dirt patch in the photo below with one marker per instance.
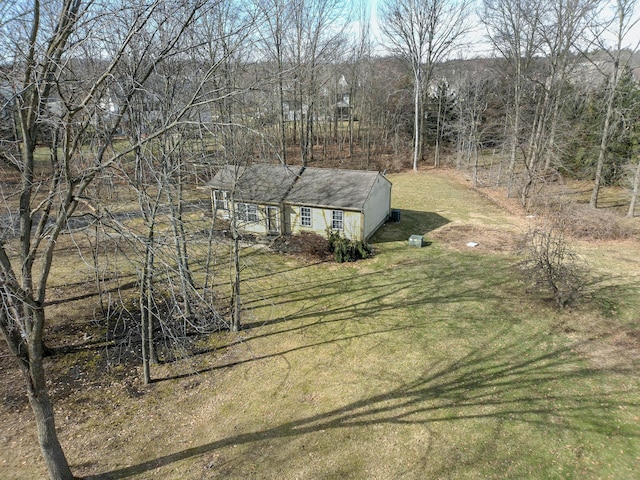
(486, 239)
(619, 351)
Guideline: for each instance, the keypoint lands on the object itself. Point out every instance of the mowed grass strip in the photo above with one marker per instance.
(416, 363)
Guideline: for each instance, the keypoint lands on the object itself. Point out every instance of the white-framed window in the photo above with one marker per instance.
(305, 216)
(336, 219)
(247, 212)
(221, 200)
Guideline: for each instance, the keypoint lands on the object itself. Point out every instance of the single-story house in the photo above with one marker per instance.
(279, 199)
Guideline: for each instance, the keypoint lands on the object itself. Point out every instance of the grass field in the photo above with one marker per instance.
(416, 363)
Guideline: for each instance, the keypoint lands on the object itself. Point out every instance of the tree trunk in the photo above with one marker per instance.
(604, 139)
(283, 123)
(515, 132)
(54, 457)
(235, 281)
(309, 128)
(535, 150)
(436, 160)
(235, 322)
(636, 189)
(29, 354)
(208, 275)
(33, 371)
(146, 309)
(417, 93)
(552, 134)
(602, 151)
(350, 113)
(144, 343)
(179, 237)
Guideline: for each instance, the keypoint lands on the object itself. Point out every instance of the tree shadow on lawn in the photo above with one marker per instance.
(92, 293)
(516, 382)
(508, 378)
(412, 222)
(367, 300)
(256, 358)
(610, 294)
(340, 313)
(466, 282)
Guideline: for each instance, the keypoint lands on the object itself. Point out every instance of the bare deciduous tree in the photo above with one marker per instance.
(635, 189)
(537, 42)
(63, 62)
(620, 25)
(551, 266)
(316, 38)
(423, 33)
(274, 23)
(513, 30)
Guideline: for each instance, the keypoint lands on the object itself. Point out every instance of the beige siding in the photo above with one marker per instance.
(352, 225)
(377, 207)
(259, 227)
(357, 225)
(321, 219)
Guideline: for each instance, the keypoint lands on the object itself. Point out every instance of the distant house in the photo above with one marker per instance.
(277, 199)
(343, 100)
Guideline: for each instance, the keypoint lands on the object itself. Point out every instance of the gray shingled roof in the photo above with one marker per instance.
(316, 187)
(259, 183)
(324, 187)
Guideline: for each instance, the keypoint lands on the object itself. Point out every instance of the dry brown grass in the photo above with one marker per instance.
(421, 363)
(489, 239)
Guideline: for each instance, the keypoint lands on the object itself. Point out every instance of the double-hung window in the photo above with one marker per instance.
(247, 212)
(336, 219)
(305, 216)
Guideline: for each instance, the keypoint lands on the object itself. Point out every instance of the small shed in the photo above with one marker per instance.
(355, 202)
(278, 199)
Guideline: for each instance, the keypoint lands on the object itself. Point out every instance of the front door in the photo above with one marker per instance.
(272, 220)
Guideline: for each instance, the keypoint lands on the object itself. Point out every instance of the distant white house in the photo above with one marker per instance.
(278, 199)
(343, 108)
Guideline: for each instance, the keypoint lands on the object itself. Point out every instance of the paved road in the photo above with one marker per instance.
(9, 222)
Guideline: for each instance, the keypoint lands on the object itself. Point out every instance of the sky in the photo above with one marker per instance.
(479, 46)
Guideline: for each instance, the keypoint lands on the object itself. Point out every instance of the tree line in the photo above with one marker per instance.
(103, 96)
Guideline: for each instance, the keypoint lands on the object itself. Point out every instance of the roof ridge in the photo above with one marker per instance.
(344, 169)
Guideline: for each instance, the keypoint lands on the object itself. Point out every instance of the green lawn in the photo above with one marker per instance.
(416, 363)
